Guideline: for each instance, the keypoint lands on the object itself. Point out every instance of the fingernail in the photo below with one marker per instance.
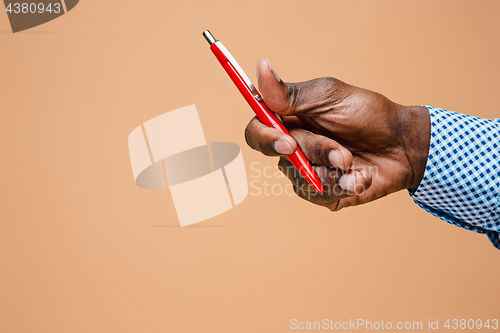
(283, 147)
(336, 159)
(354, 182)
(348, 182)
(257, 74)
(273, 71)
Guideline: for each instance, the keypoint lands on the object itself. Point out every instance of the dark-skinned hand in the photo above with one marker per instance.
(362, 145)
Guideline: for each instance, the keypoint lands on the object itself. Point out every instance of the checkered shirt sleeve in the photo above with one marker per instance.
(461, 183)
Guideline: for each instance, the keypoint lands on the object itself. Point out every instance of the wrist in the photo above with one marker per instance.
(416, 135)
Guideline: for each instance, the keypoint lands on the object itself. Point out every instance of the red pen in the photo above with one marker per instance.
(254, 99)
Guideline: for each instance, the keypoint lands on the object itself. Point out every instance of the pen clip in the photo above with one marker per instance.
(238, 69)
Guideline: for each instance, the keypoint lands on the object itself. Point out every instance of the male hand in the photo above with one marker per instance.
(362, 145)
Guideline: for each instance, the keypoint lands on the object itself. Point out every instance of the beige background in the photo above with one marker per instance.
(83, 249)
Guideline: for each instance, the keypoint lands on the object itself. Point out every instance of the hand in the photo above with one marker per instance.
(362, 145)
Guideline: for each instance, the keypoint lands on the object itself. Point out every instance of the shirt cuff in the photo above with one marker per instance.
(462, 175)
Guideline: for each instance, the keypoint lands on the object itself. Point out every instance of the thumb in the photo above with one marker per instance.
(304, 98)
(273, 89)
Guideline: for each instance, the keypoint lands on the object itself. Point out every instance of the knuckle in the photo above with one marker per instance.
(292, 95)
(249, 130)
(335, 206)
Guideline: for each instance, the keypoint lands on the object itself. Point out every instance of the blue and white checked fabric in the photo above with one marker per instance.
(461, 184)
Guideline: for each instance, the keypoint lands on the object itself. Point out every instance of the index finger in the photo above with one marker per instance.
(268, 140)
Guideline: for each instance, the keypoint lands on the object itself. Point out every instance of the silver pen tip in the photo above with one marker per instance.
(209, 37)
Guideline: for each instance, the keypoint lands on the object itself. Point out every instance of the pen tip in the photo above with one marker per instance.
(318, 187)
(209, 37)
